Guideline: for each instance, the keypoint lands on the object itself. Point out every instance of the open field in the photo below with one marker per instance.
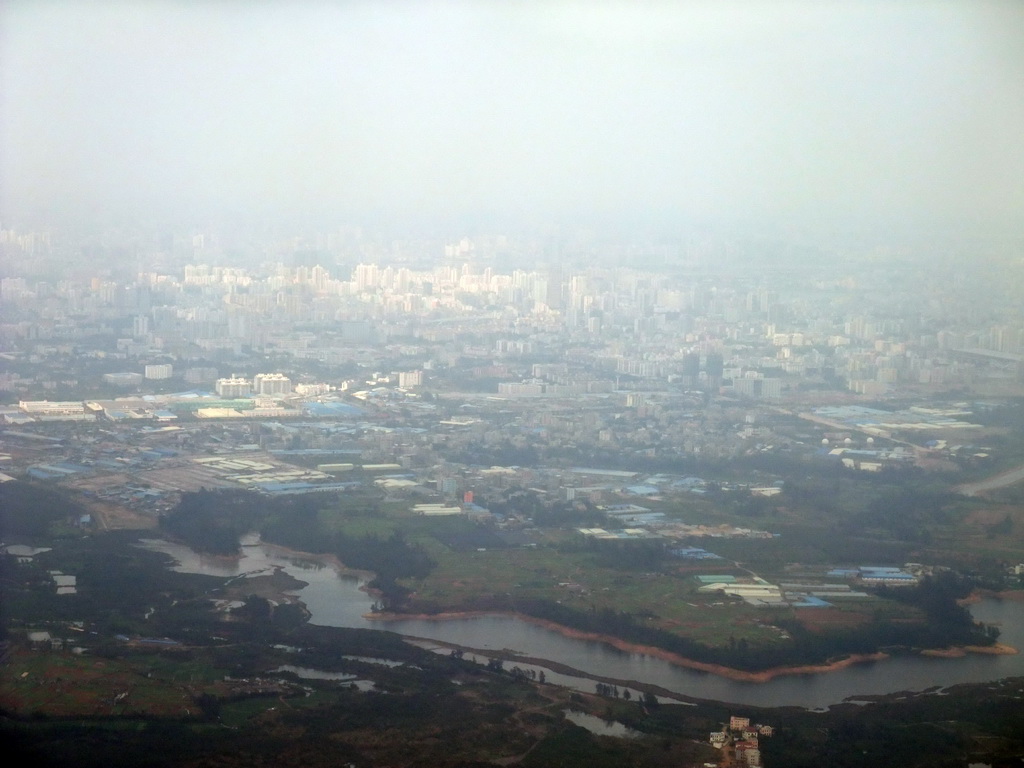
(660, 592)
(64, 685)
(436, 710)
(467, 581)
(113, 517)
(164, 709)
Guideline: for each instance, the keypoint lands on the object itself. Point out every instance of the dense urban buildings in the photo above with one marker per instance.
(429, 312)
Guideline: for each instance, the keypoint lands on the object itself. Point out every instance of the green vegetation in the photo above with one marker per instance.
(31, 509)
(634, 590)
(212, 521)
(213, 698)
(118, 585)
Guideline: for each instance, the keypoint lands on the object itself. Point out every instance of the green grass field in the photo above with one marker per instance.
(664, 600)
(62, 684)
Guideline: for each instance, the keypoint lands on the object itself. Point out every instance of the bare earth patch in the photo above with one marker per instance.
(824, 619)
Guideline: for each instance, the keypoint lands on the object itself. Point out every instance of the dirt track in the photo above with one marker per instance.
(1001, 480)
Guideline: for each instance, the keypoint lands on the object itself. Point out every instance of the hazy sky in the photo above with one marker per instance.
(749, 110)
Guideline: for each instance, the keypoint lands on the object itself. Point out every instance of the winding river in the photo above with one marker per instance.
(336, 599)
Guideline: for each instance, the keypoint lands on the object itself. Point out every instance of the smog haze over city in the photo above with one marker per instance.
(854, 114)
(539, 384)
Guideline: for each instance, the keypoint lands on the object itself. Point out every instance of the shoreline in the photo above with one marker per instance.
(559, 668)
(1013, 595)
(328, 557)
(959, 651)
(762, 676)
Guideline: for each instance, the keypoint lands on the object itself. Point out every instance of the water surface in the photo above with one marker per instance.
(337, 599)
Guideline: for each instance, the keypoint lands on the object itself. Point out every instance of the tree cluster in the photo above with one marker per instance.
(212, 521)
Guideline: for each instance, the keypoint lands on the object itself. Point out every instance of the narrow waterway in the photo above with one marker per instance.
(336, 599)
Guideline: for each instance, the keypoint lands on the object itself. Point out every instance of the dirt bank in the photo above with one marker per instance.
(958, 651)
(762, 676)
(978, 595)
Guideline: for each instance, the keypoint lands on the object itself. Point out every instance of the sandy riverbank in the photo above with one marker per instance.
(959, 651)
(276, 586)
(1015, 595)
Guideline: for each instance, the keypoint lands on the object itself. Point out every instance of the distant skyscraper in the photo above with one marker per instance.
(140, 326)
(233, 387)
(271, 384)
(160, 371)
